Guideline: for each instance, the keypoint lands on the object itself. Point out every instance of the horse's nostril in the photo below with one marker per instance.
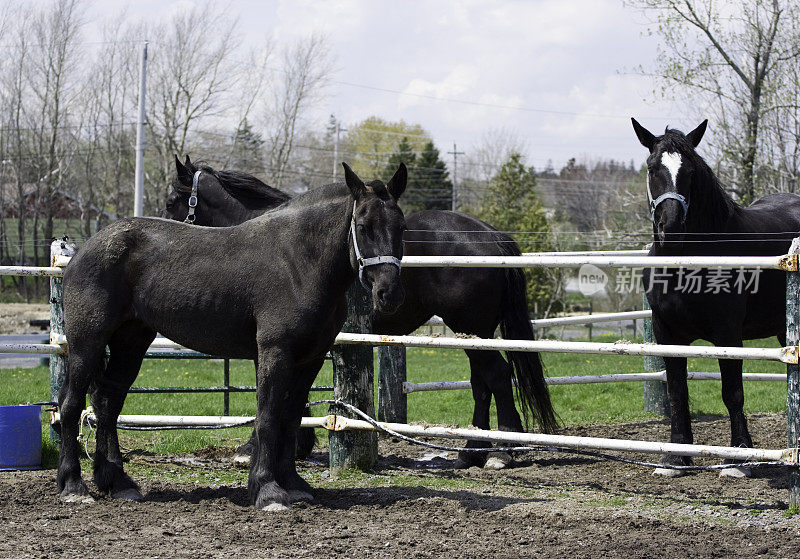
(381, 295)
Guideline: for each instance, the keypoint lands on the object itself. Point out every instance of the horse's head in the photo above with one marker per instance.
(670, 167)
(179, 200)
(204, 196)
(376, 236)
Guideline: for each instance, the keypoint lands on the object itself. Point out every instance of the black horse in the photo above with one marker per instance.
(271, 289)
(472, 301)
(693, 215)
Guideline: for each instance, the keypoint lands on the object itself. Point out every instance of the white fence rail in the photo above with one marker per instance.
(339, 423)
(409, 387)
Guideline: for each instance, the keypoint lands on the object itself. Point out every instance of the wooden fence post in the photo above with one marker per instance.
(58, 362)
(793, 372)
(655, 391)
(391, 376)
(353, 383)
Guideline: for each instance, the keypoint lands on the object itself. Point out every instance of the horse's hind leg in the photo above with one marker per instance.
(496, 374)
(127, 348)
(482, 398)
(83, 364)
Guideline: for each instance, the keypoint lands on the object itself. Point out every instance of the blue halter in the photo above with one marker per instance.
(666, 196)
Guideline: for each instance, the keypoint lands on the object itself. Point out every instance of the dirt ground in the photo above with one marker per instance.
(417, 505)
(15, 317)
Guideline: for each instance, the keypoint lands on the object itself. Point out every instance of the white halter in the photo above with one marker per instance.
(192, 199)
(371, 261)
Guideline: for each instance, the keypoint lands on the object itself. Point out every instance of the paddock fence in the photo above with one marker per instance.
(60, 252)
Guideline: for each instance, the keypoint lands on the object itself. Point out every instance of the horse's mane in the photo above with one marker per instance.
(712, 204)
(328, 191)
(238, 183)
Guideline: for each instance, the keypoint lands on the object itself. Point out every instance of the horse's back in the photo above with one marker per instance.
(773, 213)
(442, 232)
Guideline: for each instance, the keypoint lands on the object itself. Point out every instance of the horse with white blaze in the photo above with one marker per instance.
(693, 216)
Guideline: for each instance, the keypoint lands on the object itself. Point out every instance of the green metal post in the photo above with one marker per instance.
(793, 371)
(353, 375)
(226, 381)
(655, 391)
(391, 376)
(58, 362)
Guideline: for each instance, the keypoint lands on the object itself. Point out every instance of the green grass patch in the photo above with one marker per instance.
(575, 404)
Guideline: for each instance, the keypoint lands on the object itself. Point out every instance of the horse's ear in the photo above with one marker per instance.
(697, 134)
(184, 174)
(356, 186)
(397, 184)
(645, 137)
(188, 162)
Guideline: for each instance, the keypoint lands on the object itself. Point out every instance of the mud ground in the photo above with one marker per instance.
(15, 317)
(417, 505)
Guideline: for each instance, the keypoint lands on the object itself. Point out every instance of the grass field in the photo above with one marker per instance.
(575, 404)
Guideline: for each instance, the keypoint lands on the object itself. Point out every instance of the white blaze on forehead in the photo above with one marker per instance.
(672, 161)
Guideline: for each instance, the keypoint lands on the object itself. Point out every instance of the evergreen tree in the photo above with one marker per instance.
(431, 184)
(511, 205)
(428, 186)
(247, 154)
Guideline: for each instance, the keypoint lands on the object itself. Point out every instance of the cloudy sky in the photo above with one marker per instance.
(559, 73)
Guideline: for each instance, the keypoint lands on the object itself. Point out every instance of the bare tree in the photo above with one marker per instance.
(191, 73)
(307, 66)
(727, 56)
(52, 79)
(14, 84)
(251, 89)
(482, 161)
(104, 166)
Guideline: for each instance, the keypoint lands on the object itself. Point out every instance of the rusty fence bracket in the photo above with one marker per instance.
(789, 263)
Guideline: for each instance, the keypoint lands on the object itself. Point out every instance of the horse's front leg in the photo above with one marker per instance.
(680, 421)
(273, 391)
(287, 476)
(733, 397)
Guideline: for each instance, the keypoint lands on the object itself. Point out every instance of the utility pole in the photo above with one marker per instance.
(138, 189)
(336, 149)
(455, 153)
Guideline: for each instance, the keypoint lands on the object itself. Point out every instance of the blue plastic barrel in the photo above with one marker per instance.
(20, 438)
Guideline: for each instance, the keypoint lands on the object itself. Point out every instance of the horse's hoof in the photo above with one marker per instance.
(498, 461)
(129, 494)
(276, 507)
(296, 495)
(668, 472)
(241, 459)
(736, 472)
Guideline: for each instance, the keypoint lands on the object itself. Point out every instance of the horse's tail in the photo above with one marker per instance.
(527, 368)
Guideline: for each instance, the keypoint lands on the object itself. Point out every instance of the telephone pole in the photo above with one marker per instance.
(336, 149)
(455, 153)
(138, 181)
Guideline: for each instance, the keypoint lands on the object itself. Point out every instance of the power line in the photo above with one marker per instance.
(490, 105)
